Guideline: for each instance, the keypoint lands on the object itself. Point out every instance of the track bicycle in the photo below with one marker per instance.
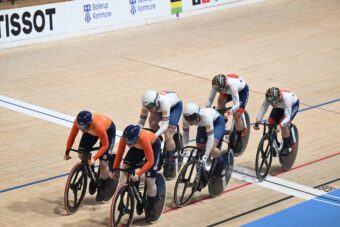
(270, 146)
(130, 196)
(194, 175)
(76, 184)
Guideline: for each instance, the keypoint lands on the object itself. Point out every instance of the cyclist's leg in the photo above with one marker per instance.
(107, 185)
(154, 119)
(222, 100)
(275, 117)
(151, 183)
(107, 157)
(218, 136)
(239, 124)
(286, 132)
(175, 114)
(243, 97)
(201, 138)
(87, 141)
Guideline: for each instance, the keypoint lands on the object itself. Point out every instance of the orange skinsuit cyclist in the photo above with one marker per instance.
(142, 144)
(94, 126)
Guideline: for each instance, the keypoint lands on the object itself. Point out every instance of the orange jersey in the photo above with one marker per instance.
(98, 128)
(144, 142)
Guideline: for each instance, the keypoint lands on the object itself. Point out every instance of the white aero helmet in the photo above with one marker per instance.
(191, 111)
(149, 98)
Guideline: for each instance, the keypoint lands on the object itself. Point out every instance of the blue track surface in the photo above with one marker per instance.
(320, 212)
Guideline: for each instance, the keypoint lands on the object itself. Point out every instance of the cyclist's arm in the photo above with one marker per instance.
(165, 118)
(287, 113)
(211, 97)
(104, 140)
(235, 97)
(148, 152)
(263, 110)
(185, 127)
(143, 116)
(120, 152)
(72, 136)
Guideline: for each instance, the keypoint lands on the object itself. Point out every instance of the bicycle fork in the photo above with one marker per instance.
(201, 178)
(91, 174)
(137, 194)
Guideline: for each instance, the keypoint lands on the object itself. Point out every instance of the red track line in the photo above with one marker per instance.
(247, 184)
(308, 163)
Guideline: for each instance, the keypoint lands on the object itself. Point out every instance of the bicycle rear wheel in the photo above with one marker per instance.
(218, 183)
(75, 188)
(264, 157)
(245, 136)
(186, 183)
(122, 207)
(288, 161)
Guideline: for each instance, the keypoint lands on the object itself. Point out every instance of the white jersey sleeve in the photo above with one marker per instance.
(185, 127)
(263, 110)
(164, 108)
(211, 97)
(235, 85)
(288, 100)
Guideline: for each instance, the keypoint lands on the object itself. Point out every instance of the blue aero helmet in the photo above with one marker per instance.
(84, 120)
(131, 133)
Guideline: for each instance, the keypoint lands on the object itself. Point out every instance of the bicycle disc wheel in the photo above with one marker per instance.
(245, 136)
(122, 207)
(264, 157)
(218, 184)
(75, 188)
(186, 183)
(288, 161)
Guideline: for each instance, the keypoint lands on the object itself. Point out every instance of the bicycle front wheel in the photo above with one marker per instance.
(264, 157)
(75, 188)
(122, 207)
(186, 183)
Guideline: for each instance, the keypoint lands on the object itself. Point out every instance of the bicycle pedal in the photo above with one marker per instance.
(139, 209)
(227, 132)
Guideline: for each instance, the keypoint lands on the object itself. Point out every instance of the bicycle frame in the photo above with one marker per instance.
(86, 156)
(270, 131)
(131, 172)
(207, 174)
(273, 136)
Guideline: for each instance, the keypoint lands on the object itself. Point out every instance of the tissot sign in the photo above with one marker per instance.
(26, 23)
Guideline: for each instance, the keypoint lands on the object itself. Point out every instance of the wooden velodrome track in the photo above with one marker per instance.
(291, 44)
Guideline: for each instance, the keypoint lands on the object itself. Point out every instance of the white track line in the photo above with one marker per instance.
(285, 186)
(240, 173)
(39, 112)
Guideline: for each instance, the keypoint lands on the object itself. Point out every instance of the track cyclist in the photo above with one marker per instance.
(285, 107)
(231, 87)
(165, 107)
(94, 126)
(142, 144)
(210, 131)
